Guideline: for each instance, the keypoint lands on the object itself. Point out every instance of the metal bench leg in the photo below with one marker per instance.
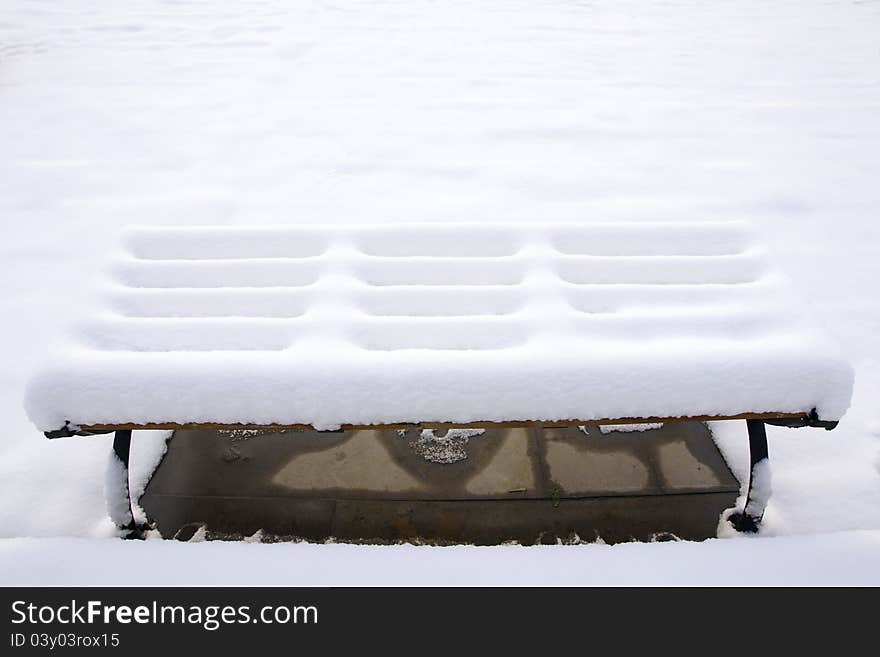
(119, 502)
(749, 519)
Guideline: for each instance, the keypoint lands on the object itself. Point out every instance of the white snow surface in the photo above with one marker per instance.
(115, 491)
(628, 428)
(761, 486)
(207, 113)
(457, 323)
(845, 558)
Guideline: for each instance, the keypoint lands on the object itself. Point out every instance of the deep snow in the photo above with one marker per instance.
(589, 321)
(204, 113)
(847, 558)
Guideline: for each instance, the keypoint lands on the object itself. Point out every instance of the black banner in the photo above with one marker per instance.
(58, 620)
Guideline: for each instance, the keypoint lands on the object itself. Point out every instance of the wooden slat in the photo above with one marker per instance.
(176, 426)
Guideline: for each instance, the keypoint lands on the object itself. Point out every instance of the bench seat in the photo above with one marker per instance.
(364, 325)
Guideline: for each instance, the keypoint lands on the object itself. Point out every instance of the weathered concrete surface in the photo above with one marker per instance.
(526, 484)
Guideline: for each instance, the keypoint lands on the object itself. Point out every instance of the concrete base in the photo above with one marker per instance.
(527, 485)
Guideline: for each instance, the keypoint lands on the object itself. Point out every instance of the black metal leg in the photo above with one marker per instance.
(749, 519)
(125, 519)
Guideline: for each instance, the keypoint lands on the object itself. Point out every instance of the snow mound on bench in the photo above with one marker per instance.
(439, 322)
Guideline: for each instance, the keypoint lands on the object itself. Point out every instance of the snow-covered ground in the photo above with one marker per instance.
(277, 112)
(847, 558)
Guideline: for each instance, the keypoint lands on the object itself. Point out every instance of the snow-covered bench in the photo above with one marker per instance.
(344, 326)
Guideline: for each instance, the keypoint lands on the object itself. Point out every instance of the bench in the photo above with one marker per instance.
(437, 325)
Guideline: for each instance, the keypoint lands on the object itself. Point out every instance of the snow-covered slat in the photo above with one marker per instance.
(441, 322)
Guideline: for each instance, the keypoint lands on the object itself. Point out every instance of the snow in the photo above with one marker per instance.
(451, 447)
(189, 113)
(116, 491)
(604, 321)
(628, 428)
(848, 558)
(761, 488)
